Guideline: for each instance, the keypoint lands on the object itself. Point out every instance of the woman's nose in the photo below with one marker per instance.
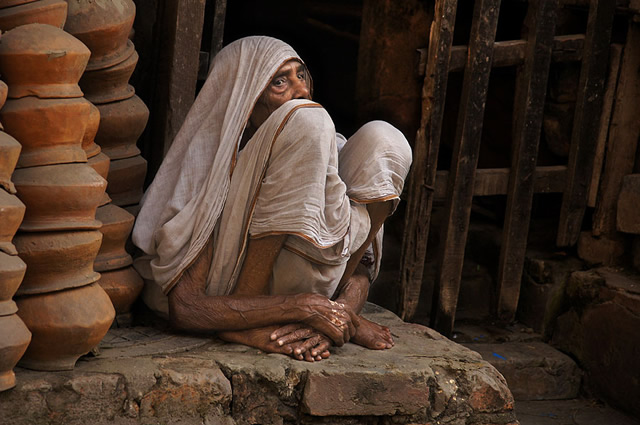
(301, 90)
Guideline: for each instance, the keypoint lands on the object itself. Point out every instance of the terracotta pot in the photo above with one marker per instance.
(116, 228)
(100, 163)
(3, 93)
(104, 27)
(41, 60)
(88, 140)
(7, 308)
(123, 287)
(57, 260)
(59, 197)
(109, 84)
(9, 3)
(12, 270)
(14, 339)
(126, 179)
(49, 12)
(49, 130)
(65, 325)
(11, 214)
(121, 124)
(9, 154)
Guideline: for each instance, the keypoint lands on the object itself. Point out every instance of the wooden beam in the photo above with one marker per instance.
(531, 89)
(566, 48)
(423, 171)
(586, 120)
(463, 167)
(605, 118)
(495, 181)
(182, 28)
(623, 137)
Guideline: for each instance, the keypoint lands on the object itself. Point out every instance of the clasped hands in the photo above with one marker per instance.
(326, 323)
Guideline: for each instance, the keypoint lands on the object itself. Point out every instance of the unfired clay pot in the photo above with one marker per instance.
(9, 154)
(12, 270)
(126, 178)
(50, 12)
(65, 325)
(104, 26)
(49, 130)
(116, 228)
(121, 124)
(109, 84)
(42, 60)
(101, 163)
(11, 214)
(59, 197)
(57, 260)
(88, 140)
(14, 339)
(123, 287)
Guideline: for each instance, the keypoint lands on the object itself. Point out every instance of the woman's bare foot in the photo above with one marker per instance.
(311, 348)
(373, 336)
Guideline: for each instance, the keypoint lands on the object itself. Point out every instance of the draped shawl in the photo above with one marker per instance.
(183, 206)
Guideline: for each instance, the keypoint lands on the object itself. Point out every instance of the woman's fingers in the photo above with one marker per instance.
(295, 336)
(285, 330)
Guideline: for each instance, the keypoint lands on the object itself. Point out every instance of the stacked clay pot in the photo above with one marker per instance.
(105, 29)
(14, 13)
(59, 299)
(14, 335)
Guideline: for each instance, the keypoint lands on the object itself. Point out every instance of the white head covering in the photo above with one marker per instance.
(181, 207)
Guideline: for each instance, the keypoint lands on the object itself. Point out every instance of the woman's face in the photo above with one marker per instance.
(291, 81)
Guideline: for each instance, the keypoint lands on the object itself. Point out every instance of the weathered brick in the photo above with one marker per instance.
(533, 370)
(347, 394)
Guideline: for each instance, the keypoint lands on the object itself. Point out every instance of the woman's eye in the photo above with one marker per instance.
(278, 82)
(302, 76)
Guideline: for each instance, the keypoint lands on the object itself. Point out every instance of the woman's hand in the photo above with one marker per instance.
(331, 318)
(312, 348)
(306, 342)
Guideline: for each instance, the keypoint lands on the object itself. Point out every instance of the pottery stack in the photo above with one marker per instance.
(104, 27)
(14, 335)
(59, 299)
(14, 13)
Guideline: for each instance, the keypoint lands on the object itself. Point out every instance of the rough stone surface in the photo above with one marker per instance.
(601, 250)
(542, 291)
(533, 370)
(148, 377)
(602, 330)
(573, 412)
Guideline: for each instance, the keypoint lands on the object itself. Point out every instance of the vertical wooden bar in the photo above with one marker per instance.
(623, 136)
(591, 87)
(529, 106)
(183, 21)
(605, 118)
(176, 39)
(218, 28)
(465, 159)
(423, 174)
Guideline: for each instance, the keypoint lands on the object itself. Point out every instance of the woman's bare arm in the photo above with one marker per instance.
(190, 308)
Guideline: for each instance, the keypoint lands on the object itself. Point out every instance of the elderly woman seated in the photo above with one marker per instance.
(263, 224)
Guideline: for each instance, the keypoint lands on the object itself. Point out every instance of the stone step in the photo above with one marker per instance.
(533, 370)
(145, 376)
(570, 412)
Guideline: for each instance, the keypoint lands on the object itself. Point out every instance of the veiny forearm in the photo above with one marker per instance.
(202, 313)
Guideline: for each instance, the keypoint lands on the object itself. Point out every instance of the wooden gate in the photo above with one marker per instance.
(532, 55)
